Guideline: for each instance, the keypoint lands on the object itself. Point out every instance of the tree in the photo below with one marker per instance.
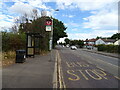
(58, 31)
(67, 41)
(38, 26)
(115, 36)
(98, 37)
(79, 43)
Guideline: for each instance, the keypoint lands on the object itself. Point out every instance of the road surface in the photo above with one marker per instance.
(82, 69)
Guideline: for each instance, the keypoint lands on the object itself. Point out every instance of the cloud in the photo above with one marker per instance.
(84, 5)
(6, 21)
(69, 16)
(72, 24)
(5, 25)
(22, 8)
(102, 20)
(104, 14)
(92, 34)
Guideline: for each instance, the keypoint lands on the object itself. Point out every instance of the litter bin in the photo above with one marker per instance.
(20, 56)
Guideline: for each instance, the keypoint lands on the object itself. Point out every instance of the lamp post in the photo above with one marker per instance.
(51, 36)
(49, 27)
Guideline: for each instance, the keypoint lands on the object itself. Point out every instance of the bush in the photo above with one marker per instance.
(12, 42)
(109, 48)
(101, 47)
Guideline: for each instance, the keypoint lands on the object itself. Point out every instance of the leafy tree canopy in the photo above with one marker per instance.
(38, 26)
(67, 41)
(115, 36)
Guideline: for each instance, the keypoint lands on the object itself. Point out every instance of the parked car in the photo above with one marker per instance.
(67, 46)
(73, 47)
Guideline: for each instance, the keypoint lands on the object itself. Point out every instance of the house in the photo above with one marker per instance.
(93, 42)
(117, 42)
(105, 41)
(99, 41)
(90, 42)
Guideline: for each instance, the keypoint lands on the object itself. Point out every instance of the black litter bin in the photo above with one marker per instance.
(20, 56)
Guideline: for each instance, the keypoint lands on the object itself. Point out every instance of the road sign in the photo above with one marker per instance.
(48, 28)
(49, 23)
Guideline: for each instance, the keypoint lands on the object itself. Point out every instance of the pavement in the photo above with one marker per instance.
(33, 73)
(103, 53)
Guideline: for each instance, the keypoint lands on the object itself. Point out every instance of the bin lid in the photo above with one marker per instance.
(20, 51)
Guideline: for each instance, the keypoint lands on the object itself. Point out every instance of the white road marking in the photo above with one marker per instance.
(108, 63)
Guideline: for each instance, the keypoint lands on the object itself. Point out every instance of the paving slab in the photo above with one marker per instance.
(34, 73)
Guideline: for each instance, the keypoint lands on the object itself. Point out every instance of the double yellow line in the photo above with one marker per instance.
(61, 83)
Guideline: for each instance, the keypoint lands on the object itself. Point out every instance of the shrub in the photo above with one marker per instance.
(109, 48)
(12, 42)
(101, 47)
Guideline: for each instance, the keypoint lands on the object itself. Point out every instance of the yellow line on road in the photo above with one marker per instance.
(61, 79)
(100, 68)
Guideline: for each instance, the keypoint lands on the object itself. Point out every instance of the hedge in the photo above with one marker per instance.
(109, 48)
(12, 42)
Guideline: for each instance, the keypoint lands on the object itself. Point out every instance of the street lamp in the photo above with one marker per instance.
(51, 36)
(49, 27)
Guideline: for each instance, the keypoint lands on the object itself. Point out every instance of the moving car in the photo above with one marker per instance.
(73, 47)
(89, 47)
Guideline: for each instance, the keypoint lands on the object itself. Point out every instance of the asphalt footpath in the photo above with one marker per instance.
(33, 73)
(103, 53)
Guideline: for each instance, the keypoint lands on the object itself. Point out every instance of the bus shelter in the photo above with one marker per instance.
(33, 44)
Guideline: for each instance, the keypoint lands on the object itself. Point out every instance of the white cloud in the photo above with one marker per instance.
(84, 5)
(72, 24)
(92, 34)
(104, 14)
(6, 21)
(102, 20)
(5, 24)
(70, 16)
(22, 8)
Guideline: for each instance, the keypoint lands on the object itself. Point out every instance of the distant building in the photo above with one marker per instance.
(105, 41)
(92, 42)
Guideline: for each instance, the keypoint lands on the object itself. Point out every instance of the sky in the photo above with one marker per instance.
(84, 19)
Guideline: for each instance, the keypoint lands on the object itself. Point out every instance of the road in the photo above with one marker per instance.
(82, 69)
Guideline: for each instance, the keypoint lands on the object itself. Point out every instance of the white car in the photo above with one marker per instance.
(73, 47)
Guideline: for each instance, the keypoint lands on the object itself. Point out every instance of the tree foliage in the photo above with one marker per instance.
(58, 30)
(38, 26)
(115, 36)
(67, 41)
(79, 43)
(12, 42)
